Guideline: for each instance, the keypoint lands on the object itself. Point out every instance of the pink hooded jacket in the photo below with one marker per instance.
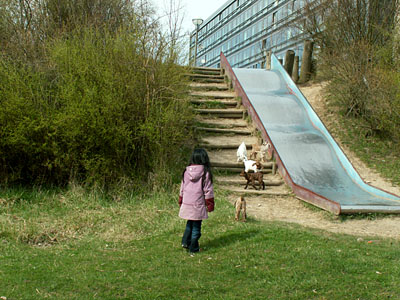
(196, 197)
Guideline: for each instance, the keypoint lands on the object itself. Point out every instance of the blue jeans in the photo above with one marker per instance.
(192, 235)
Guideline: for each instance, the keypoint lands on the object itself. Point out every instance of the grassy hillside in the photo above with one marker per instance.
(379, 153)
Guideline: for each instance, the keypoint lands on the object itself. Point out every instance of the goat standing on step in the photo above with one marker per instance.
(264, 152)
(252, 177)
(262, 149)
(241, 152)
(252, 165)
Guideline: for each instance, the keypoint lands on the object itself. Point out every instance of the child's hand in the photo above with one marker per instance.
(210, 204)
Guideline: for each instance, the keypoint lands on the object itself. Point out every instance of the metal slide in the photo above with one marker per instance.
(309, 159)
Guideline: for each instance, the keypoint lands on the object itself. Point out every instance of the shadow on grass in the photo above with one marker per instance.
(226, 239)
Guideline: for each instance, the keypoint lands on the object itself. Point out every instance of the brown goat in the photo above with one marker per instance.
(252, 177)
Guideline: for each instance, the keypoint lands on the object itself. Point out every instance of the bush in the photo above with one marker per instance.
(357, 57)
(99, 107)
(383, 100)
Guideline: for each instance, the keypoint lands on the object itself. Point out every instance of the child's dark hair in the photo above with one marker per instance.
(200, 157)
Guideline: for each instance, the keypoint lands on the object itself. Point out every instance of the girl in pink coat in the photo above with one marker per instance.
(196, 198)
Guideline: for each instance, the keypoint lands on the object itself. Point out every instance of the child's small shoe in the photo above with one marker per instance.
(185, 246)
(192, 254)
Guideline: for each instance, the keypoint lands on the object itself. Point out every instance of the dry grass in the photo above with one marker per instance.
(75, 214)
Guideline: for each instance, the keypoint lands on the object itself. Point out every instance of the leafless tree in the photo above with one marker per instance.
(358, 54)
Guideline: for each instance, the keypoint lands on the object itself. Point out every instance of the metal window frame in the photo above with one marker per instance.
(231, 36)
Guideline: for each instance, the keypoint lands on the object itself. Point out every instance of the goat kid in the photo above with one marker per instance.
(252, 177)
(255, 148)
(240, 206)
(264, 155)
(262, 149)
(241, 152)
(252, 165)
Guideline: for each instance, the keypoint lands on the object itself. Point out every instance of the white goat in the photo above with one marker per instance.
(242, 152)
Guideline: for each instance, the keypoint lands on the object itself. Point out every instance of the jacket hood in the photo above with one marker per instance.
(195, 172)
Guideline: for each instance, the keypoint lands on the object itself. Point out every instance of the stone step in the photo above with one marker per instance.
(240, 169)
(229, 116)
(266, 165)
(223, 101)
(221, 113)
(223, 130)
(206, 78)
(213, 94)
(206, 71)
(199, 75)
(208, 87)
(223, 155)
(222, 126)
(222, 146)
(217, 111)
(243, 182)
(221, 123)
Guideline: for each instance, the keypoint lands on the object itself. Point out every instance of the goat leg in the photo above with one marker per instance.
(253, 183)
(237, 213)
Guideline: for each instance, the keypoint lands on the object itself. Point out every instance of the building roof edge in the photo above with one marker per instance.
(214, 14)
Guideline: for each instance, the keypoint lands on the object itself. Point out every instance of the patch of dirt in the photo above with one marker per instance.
(290, 209)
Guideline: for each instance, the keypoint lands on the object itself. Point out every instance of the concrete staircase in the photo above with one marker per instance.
(223, 124)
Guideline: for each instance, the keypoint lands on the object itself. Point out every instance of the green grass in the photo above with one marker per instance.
(70, 244)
